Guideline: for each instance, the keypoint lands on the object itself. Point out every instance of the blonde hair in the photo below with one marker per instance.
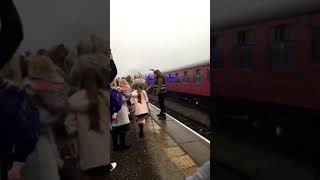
(123, 82)
(42, 67)
(11, 72)
(139, 76)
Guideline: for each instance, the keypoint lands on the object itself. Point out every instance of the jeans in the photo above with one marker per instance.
(161, 102)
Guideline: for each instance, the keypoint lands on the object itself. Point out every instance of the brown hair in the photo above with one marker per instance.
(58, 55)
(139, 90)
(92, 83)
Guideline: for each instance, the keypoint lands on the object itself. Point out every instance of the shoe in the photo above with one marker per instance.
(113, 166)
(141, 136)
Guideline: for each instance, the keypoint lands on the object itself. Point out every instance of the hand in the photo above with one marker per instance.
(114, 116)
(15, 172)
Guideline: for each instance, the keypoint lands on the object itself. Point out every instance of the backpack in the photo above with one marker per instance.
(115, 101)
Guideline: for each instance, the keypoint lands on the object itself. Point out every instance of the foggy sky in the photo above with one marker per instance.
(49, 22)
(160, 34)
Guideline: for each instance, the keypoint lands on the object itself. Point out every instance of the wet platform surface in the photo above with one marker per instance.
(168, 151)
(196, 147)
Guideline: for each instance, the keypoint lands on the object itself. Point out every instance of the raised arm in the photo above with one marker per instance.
(11, 33)
(113, 69)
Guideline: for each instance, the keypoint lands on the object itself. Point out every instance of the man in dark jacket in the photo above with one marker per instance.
(17, 140)
(160, 91)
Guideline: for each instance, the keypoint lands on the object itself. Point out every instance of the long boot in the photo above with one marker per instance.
(141, 133)
(123, 145)
(114, 134)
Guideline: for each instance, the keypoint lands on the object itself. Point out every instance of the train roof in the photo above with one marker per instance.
(189, 66)
(228, 13)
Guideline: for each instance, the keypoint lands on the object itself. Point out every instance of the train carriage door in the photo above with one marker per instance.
(314, 73)
(177, 81)
(186, 81)
(197, 80)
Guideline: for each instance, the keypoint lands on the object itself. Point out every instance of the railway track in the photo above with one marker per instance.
(191, 123)
(221, 171)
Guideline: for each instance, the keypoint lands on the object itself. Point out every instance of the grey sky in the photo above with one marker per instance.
(49, 22)
(160, 34)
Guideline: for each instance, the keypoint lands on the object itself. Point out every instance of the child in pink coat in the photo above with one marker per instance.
(139, 100)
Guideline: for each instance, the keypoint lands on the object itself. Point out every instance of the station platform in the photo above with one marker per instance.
(169, 150)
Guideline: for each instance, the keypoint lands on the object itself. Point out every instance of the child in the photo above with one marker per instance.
(120, 120)
(140, 102)
(89, 107)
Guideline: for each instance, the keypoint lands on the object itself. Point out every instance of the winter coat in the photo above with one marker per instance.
(14, 131)
(140, 108)
(93, 147)
(123, 114)
(160, 86)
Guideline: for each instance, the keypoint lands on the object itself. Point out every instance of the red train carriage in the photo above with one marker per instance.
(191, 81)
(269, 58)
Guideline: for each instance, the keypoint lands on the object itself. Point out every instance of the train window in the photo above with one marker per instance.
(243, 51)
(282, 48)
(316, 44)
(197, 76)
(185, 77)
(244, 38)
(241, 37)
(177, 78)
(216, 53)
(282, 34)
